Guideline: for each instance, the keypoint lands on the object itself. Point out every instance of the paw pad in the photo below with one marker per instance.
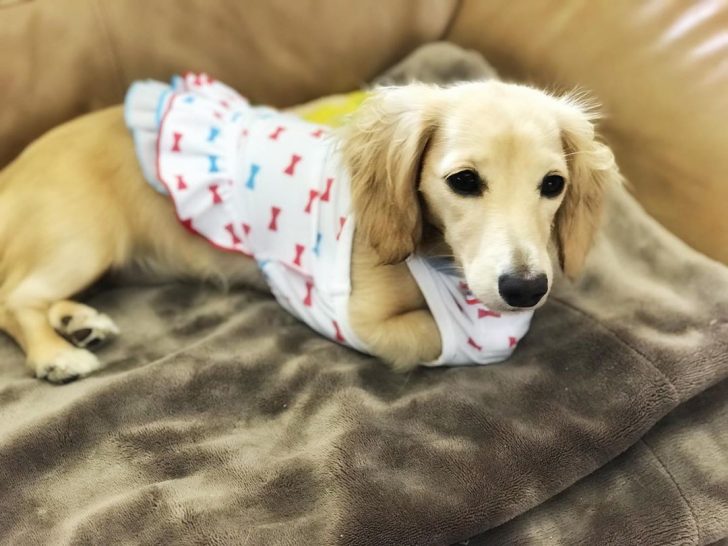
(79, 336)
(87, 330)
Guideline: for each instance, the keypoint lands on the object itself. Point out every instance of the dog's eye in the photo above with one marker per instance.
(552, 185)
(465, 183)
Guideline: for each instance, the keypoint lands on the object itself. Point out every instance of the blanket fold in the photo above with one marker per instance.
(221, 419)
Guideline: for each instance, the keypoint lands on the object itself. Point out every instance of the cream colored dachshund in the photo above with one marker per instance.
(497, 180)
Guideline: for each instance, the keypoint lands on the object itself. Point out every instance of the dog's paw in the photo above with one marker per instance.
(87, 328)
(68, 366)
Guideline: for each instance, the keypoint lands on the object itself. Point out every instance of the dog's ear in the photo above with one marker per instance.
(592, 170)
(383, 147)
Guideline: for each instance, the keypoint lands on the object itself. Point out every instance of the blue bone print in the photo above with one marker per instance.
(317, 247)
(214, 133)
(254, 168)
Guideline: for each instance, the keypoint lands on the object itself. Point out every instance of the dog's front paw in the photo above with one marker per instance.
(87, 328)
(68, 366)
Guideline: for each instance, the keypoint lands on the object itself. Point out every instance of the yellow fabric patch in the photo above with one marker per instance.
(332, 111)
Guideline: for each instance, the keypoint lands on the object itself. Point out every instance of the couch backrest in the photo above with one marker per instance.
(62, 58)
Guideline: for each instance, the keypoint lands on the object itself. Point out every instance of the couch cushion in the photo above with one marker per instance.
(61, 58)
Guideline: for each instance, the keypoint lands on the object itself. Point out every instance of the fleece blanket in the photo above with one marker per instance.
(222, 420)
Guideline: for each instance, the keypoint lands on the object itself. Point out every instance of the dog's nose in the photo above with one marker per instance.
(519, 291)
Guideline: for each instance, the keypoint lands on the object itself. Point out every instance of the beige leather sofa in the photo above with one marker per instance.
(659, 67)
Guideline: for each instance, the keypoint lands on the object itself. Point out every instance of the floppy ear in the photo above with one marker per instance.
(383, 147)
(592, 170)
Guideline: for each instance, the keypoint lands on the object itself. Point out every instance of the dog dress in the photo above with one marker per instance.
(273, 186)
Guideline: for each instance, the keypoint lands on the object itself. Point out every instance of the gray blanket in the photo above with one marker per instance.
(223, 420)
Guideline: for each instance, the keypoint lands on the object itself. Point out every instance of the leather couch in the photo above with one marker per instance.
(659, 68)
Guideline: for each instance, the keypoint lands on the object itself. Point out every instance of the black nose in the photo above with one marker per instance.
(519, 291)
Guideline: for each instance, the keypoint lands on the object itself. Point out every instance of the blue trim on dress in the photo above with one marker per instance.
(137, 133)
(160, 106)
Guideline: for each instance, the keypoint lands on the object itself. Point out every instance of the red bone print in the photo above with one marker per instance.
(512, 341)
(487, 313)
(231, 230)
(202, 79)
(327, 194)
(339, 337)
(299, 253)
(472, 343)
(342, 221)
(318, 133)
(295, 158)
(177, 138)
(312, 194)
(246, 229)
(275, 134)
(274, 212)
(181, 184)
(469, 298)
(309, 290)
(216, 199)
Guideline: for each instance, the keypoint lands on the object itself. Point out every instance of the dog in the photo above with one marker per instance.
(498, 180)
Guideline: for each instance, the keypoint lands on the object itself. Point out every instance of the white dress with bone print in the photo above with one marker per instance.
(271, 186)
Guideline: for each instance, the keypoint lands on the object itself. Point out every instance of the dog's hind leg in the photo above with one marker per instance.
(33, 310)
(49, 355)
(82, 325)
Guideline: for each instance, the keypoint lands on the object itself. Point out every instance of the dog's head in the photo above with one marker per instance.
(501, 170)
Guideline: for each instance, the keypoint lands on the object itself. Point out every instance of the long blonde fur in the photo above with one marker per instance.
(592, 169)
(75, 205)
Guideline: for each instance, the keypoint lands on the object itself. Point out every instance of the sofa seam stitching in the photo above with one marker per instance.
(113, 53)
(451, 21)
